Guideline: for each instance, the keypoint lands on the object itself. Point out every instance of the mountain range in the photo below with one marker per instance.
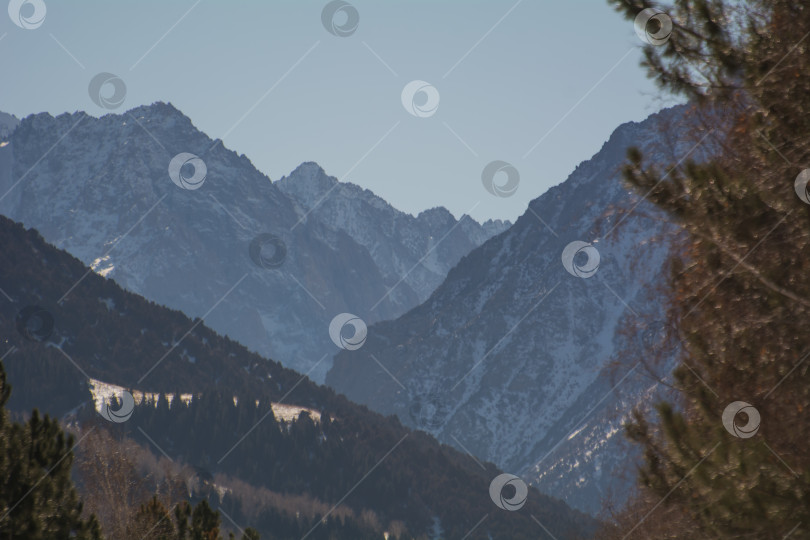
(523, 345)
(269, 264)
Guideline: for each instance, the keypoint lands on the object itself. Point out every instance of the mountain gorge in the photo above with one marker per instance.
(531, 353)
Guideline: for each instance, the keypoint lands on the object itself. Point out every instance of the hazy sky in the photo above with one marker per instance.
(539, 84)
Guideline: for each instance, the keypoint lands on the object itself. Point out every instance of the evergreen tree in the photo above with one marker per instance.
(37, 497)
(740, 282)
(204, 522)
(181, 514)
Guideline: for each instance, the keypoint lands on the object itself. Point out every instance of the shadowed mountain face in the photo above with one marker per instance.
(516, 355)
(335, 453)
(102, 189)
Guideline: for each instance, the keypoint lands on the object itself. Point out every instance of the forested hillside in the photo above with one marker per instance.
(352, 458)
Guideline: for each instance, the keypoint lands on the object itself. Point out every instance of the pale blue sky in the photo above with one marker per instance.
(563, 71)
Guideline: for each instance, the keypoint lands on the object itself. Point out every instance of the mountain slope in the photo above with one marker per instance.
(351, 457)
(513, 358)
(395, 240)
(101, 189)
(8, 123)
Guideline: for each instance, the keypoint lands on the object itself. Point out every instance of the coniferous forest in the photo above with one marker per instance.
(287, 475)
